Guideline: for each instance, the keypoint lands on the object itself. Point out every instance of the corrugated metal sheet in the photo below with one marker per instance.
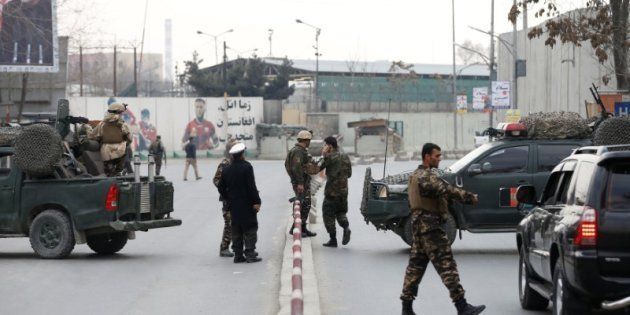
(380, 67)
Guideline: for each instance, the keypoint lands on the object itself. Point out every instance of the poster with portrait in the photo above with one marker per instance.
(28, 36)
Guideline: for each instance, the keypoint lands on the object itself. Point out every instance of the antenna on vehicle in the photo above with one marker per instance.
(389, 110)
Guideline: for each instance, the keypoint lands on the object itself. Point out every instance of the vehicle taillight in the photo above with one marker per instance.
(111, 203)
(587, 230)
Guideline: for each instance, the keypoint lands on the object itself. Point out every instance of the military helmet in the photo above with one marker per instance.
(116, 107)
(304, 135)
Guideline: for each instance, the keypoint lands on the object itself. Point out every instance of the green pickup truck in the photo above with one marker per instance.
(69, 205)
(493, 171)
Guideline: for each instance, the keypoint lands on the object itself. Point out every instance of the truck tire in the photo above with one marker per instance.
(450, 227)
(38, 150)
(51, 235)
(108, 243)
(530, 299)
(407, 234)
(564, 300)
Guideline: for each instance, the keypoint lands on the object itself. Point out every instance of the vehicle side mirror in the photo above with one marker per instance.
(486, 167)
(526, 197)
(474, 169)
(526, 194)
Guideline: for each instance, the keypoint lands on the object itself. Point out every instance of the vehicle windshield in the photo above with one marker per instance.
(619, 188)
(463, 162)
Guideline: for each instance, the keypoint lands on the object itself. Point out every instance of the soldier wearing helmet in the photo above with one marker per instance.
(114, 135)
(299, 165)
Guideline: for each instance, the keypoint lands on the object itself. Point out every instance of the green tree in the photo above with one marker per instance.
(244, 77)
(603, 24)
(278, 88)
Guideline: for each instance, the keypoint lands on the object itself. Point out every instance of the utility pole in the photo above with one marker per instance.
(493, 71)
(455, 138)
(515, 64)
(135, 71)
(270, 36)
(224, 66)
(317, 32)
(80, 70)
(115, 64)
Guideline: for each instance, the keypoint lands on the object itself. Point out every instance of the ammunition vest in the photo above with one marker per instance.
(418, 202)
(112, 133)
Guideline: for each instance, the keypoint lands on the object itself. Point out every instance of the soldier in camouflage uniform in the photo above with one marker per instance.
(428, 194)
(299, 165)
(114, 135)
(224, 248)
(338, 170)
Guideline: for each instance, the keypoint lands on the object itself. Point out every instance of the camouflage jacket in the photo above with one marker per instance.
(338, 170)
(157, 149)
(299, 165)
(217, 176)
(112, 129)
(428, 192)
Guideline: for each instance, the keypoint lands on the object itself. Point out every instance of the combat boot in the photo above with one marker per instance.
(226, 253)
(307, 233)
(252, 259)
(332, 242)
(346, 236)
(407, 308)
(463, 308)
(239, 259)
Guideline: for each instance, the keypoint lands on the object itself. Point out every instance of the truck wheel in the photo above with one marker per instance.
(407, 234)
(565, 302)
(108, 243)
(51, 235)
(450, 227)
(530, 299)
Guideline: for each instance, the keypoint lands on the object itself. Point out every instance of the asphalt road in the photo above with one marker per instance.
(178, 270)
(366, 276)
(166, 271)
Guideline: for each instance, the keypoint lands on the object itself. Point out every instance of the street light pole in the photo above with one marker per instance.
(270, 35)
(454, 80)
(493, 72)
(317, 54)
(514, 63)
(215, 37)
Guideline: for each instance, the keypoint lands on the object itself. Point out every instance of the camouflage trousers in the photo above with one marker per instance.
(244, 236)
(227, 229)
(335, 208)
(158, 165)
(114, 167)
(430, 243)
(305, 200)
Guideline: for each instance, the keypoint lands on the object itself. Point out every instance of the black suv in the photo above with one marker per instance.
(574, 243)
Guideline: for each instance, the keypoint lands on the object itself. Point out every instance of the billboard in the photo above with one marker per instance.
(501, 94)
(480, 96)
(28, 36)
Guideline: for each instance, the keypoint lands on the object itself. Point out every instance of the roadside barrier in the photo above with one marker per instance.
(297, 296)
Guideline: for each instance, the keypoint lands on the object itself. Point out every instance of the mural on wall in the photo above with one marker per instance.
(210, 121)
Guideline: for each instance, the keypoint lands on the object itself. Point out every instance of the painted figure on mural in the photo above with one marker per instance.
(202, 130)
(148, 132)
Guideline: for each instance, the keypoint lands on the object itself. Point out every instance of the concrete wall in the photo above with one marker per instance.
(272, 111)
(43, 89)
(422, 127)
(175, 119)
(557, 78)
